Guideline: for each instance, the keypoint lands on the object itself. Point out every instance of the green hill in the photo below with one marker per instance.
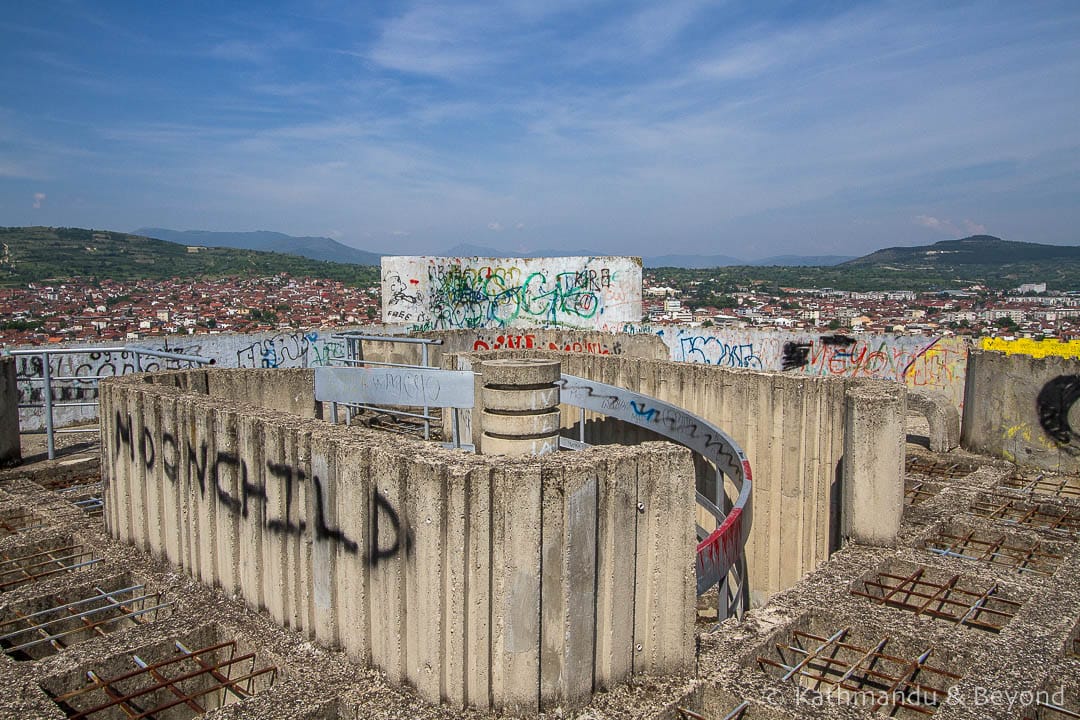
(30, 254)
(975, 250)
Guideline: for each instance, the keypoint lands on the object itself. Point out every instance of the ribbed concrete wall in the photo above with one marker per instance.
(1023, 409)
(10, 448)
(480, 581)
(791, 429)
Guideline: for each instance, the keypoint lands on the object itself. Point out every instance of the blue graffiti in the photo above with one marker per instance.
(643, 411)
(696, 349)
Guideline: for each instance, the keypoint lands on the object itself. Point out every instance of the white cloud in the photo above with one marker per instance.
(948, 227)
(39, 199)
(927, 221)
(495, 226)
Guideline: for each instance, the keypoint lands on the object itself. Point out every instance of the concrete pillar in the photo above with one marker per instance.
(873, 466)
(10, 450)
(520, 403)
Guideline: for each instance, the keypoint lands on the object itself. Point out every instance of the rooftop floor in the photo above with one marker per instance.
(976, 612)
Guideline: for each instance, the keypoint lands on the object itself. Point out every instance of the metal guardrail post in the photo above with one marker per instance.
(46, 375)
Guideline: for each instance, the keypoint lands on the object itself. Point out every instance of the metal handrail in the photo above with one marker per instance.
(354, 344)
(720, 553)
(47, 379)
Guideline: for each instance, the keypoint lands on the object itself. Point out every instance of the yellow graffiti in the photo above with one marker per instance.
(1024, 433)
(1034, 348)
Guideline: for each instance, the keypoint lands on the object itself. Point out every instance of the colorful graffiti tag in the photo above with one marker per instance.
(429, 293)
(926, 363)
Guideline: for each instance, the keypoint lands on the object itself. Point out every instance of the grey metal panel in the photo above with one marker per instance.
(395, 386)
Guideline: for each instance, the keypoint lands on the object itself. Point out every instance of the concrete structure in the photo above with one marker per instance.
(1024, 409)
(1001, 643)
(447, 293)
(873, 464)
(941, 416)
(10, 448)
(792, 428)
(489, 582)
(519, 405)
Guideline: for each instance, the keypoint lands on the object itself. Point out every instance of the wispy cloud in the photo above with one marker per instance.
(948, 227)
(39, 200)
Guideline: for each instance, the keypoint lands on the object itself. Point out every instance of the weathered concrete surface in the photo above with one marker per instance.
(1024, 409)
(446, 293)
(873, 465)
(462, 576)
(520, 406)
(10, 447)
(790, 427)
(942, 417)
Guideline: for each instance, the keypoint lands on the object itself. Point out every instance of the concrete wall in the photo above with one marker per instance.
(10, 448)
(925, 363)
(447, 293)
(1024, 409)
(479, 580)
(790, 427)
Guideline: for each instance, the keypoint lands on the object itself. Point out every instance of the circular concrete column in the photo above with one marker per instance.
(520, 403)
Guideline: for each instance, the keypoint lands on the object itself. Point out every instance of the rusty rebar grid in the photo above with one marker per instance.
(1063, 486)
(59, 484)
(32, 636)
(868, 676)
(951, 470)
(189, 680)
(949, 601)
(1012, 511)
(13, 523)
(1023, 557)
(1045, 710)
(21, 570)
(916, 491)
(735, 714)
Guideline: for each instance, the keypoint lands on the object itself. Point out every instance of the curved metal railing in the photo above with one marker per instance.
(720, 556)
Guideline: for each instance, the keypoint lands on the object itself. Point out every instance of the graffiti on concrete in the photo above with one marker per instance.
(205, 471)
(529, 341)
(469, 293)
(1053, 404)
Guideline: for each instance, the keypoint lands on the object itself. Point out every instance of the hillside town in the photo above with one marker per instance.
(110, 311)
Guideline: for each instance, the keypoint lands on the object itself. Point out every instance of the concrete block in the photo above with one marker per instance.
(354, 501)
(942, 416)
(665, 582)
(425, 506)
(10, 447)
(516, 556)
(389, 534)
(251, 441)
(568, 584)
(325, 480)
(617, 517)
(873, 471)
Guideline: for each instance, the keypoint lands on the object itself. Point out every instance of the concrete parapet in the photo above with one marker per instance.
(873, 468)
(942, 416)
(10, 447)
(1023, 409)
(520, 406)
(791, 428)
(513, 583)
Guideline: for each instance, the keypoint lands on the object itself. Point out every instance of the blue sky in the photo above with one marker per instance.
(746, 129)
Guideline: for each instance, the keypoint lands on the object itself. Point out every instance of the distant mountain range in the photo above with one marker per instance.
(315, 248)
(682, 261)
(974, 250)
(29, 254)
